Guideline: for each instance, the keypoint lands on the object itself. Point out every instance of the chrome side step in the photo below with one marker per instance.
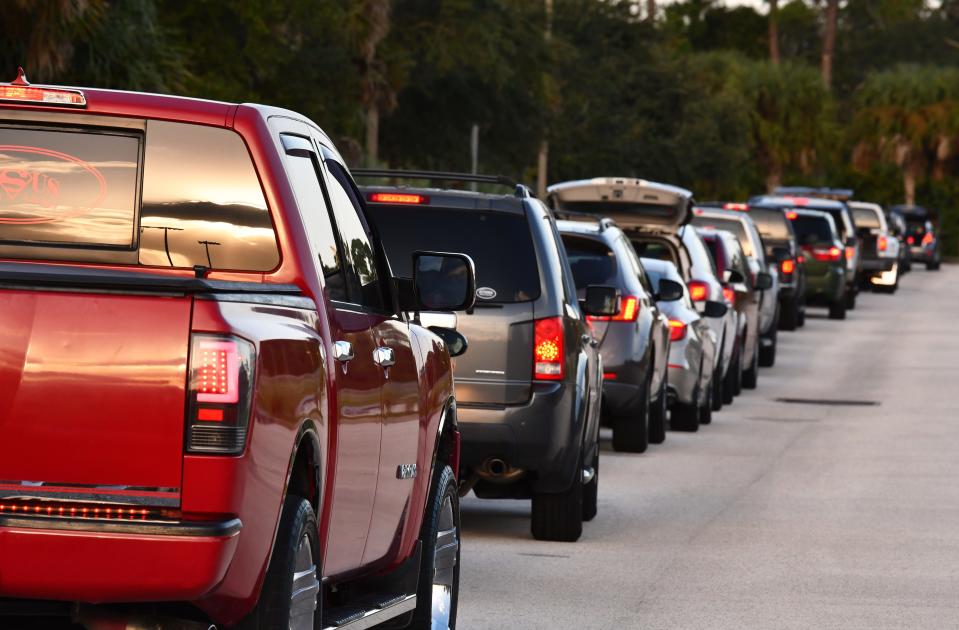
(361, 620)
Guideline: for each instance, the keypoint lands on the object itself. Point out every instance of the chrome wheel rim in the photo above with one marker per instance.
(305, 587)
(445, 557)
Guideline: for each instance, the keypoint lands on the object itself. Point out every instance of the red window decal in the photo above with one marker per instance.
(38, 185)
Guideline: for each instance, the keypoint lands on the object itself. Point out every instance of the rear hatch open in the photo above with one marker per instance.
(634, 204)
(497, 369)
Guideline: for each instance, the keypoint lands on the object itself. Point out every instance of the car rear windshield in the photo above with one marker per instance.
(813, 230)
(499, 243)
(591, 262)
(654, 248)
(866, 218)
(730, 225)
(771, 223)
(915, 226)
(75, 194)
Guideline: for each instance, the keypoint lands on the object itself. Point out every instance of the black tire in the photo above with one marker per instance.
(801, 318)
(851, 300)
(751, 374)
(274, 608)
(732, 382)
(932, 266)
(658, 413)
(789, 315)
(591, 492)
(718, 394)
(559, 516)
(440, 563)
(631, 433)
(684, 417)
(767, 354)
(837, 310)
(706, 410)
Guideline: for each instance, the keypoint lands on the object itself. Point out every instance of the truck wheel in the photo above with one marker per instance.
(658, 415)
(837, 310)
(789, 315)
(438, 589)
(631, 433)
(591, 493)
(290, 596)
(751, 375)
(731, 382)
(559, 516)
(851, 300)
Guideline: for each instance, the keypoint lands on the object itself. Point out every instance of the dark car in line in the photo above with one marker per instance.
(921, 235)
(762, 335)
(880, 248)
(826, 270)
(898, 230)
(692, 347)
(530, 387)
(634, 342)
(215, 414)
(783, 252)
(732, 267)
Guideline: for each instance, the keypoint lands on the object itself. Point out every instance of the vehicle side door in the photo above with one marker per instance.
(355, 414)
(405, 425)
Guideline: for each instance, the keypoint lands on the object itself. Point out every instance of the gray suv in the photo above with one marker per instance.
(529, 387)
(634, 342)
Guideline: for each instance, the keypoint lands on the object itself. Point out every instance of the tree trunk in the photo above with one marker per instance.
(372, 134)
(376, 91)
(651, 10)
(774, 178)
(774, 31)
(909, 184)
(829, 41)
(542, 159)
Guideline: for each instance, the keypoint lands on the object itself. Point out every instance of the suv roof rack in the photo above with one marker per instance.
(604, 222)
(519, 190)
(837, 194)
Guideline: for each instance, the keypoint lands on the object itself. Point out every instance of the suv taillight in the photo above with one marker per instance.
(677, 330)
(221, 386)
(548, 349)
(787, 266)
(698, 290)
(927, 239)
(628, 311)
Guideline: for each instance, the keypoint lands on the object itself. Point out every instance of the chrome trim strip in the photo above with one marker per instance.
(375, 617)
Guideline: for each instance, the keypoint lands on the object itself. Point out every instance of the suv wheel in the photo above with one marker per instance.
(732, 382)
(718, 394)
(751, 375)
(657, 415)
(837, 310)
(706, 411)
(932, 266)
(631, 433)
(767, 354)
(684, 417)
(801, 317)
(290, 595)
(559, 516)
(591, 492)
(851, 300)
(438, 588)
(789, 315)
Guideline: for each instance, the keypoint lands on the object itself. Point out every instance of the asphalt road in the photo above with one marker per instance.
(778, 515)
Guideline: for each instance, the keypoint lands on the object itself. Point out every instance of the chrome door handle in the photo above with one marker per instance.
(383, 357)
(343, 351)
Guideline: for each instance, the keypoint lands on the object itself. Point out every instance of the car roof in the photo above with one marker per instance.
(587, 228)
(779, 201)
(662, 267)
(708, 211)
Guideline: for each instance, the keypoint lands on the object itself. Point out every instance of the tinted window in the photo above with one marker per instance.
(697, 251)
(916, 226)
(841, 220)
(499, 243)
(304, 177)
(772, 224)
(866, 218)
(654, 248)
(591, 262)
(716, 251)
(362, 278)
(202, 201)
(730, 225)
(813, 230)
(68, 188)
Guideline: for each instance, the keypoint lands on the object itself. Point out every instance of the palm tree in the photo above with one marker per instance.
(773, 32)
(378, 94)
(907, 116)
(829, 41)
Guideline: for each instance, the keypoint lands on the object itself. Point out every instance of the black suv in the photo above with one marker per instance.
(634, 342)
(920, 235)
(529, 388)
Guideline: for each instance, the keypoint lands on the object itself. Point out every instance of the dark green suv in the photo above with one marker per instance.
(824, 260)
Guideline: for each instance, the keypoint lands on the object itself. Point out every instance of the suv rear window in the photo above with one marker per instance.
(590, 261)
(68, 187)
(499, 243)
(813, 230)
(771, 223)
(74, 194)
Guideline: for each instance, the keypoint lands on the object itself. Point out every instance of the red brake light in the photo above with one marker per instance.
(910, 240)
(609, 376)
(882, 243)
(729, 295)
(792, 215)
(221, 384)
(628, 311)
(850, 253)
(698, 290)
(800, 259)
(927, 239)
(548, 352)
(84, 510)
(42, 96)
(407, 198)
(736, 206)
(787, 266)
(677, 330)
(832, 254)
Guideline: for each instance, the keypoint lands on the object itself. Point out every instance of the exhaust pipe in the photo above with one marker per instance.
(497, 470)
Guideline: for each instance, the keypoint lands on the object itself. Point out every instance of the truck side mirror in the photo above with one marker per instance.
(443, 281)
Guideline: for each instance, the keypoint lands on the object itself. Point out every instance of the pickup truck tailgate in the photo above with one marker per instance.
(92, 388)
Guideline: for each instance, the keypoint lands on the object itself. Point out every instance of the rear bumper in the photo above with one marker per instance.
(825, 288)
(682, 384)
(542, 437)
(112, 562)
(877, 265)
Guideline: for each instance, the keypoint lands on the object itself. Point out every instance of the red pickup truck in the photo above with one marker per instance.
(216, 404)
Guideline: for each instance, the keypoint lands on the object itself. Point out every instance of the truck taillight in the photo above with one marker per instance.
(850, 253)
(698, 290)
(882, 243)
(548, 349)
(220, 392)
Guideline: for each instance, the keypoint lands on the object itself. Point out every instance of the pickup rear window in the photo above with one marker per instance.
(866, 218)
(771, 223)
(165, 195)
(499, 243)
